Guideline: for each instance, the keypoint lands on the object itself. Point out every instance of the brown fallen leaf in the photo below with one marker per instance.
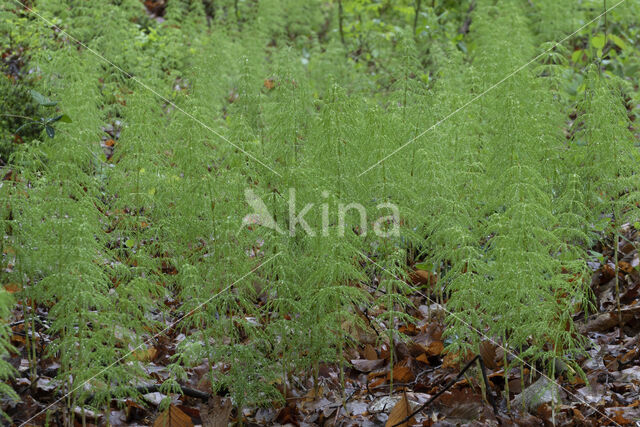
(400, 411)
(423, 277)
(216, 412)
(269, 84)
(18, 340)
(608, 320)
(435, 348)
(453, 360)
(401, 374)
(361, 333)
(607, 272)
(314, 393)
(173, 417)
(133, 410)
(365, 365)
(626, 247)
(431, 348)
(630, 355)
(369, 352)
(409, 329)
(377, 382)
(625, 266)
(488, 354)
(577, 415)
(12, 288)
(146, 355)
(460, 404)
(423, 358)
(288, 414)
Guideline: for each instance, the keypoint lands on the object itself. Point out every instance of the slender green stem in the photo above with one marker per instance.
(415, 17)
(340, 22)
(617, 284)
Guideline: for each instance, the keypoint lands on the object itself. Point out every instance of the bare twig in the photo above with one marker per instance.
(449, 385)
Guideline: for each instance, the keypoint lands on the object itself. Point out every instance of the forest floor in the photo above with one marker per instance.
(373, 394)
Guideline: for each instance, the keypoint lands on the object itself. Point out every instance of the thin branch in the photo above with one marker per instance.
(449, 385)
(19, 117)
(187, 391)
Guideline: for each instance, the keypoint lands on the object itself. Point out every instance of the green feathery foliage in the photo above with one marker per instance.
(6, 369)
(131, 223)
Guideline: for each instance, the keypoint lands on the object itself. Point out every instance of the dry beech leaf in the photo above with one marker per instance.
(288, 414)
(384, 352)
(363, 334)
(402, 374)
(216, 412)
(515, 385)
(450, 361)
(416, 349)
(622, 415)
(369, 352)
(173, 417)
(377, 382)
(463, 404)
(409, 329)
(423, 277)
(18, 340)
(146, 355)
(12, 288)
(400, 412)
(606, 321)
(629, 356)
(488, 354)
(435, 348)
(625, 266)
(365, 365)
(577, 415)
(133, 409)
(269, 84)
(453, 360)
(314, 394)
(423, 358)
